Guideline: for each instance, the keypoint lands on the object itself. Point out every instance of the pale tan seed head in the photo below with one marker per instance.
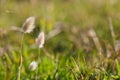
(40, 40)
(28, 25)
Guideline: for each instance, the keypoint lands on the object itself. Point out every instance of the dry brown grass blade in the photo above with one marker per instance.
(96, 41)
(53, 33)
(112, 31)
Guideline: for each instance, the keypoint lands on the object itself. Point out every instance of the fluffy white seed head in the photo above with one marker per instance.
(40, 40)
(28, 25)
(33, 65)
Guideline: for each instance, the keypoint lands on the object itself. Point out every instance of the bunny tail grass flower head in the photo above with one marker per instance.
(33, 65)
(28, 25)
(40, 40)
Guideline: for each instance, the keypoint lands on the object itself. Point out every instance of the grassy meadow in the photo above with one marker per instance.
(82, 40)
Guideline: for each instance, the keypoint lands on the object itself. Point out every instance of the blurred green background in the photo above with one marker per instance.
(70, 54)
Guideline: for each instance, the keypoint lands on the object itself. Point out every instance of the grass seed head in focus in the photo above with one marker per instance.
(40, 40)
(28, 25)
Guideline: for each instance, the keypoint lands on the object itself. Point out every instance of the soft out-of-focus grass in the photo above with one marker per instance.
(65, 56)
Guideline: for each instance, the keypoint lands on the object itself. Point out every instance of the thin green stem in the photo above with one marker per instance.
(38, 59)
(38, 55)
(20, 59)
(21, 44)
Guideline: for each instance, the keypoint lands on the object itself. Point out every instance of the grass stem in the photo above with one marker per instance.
(20, 59)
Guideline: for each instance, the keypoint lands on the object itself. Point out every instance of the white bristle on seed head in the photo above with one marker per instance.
(40, 40)
(33, 65)
(28, 25)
